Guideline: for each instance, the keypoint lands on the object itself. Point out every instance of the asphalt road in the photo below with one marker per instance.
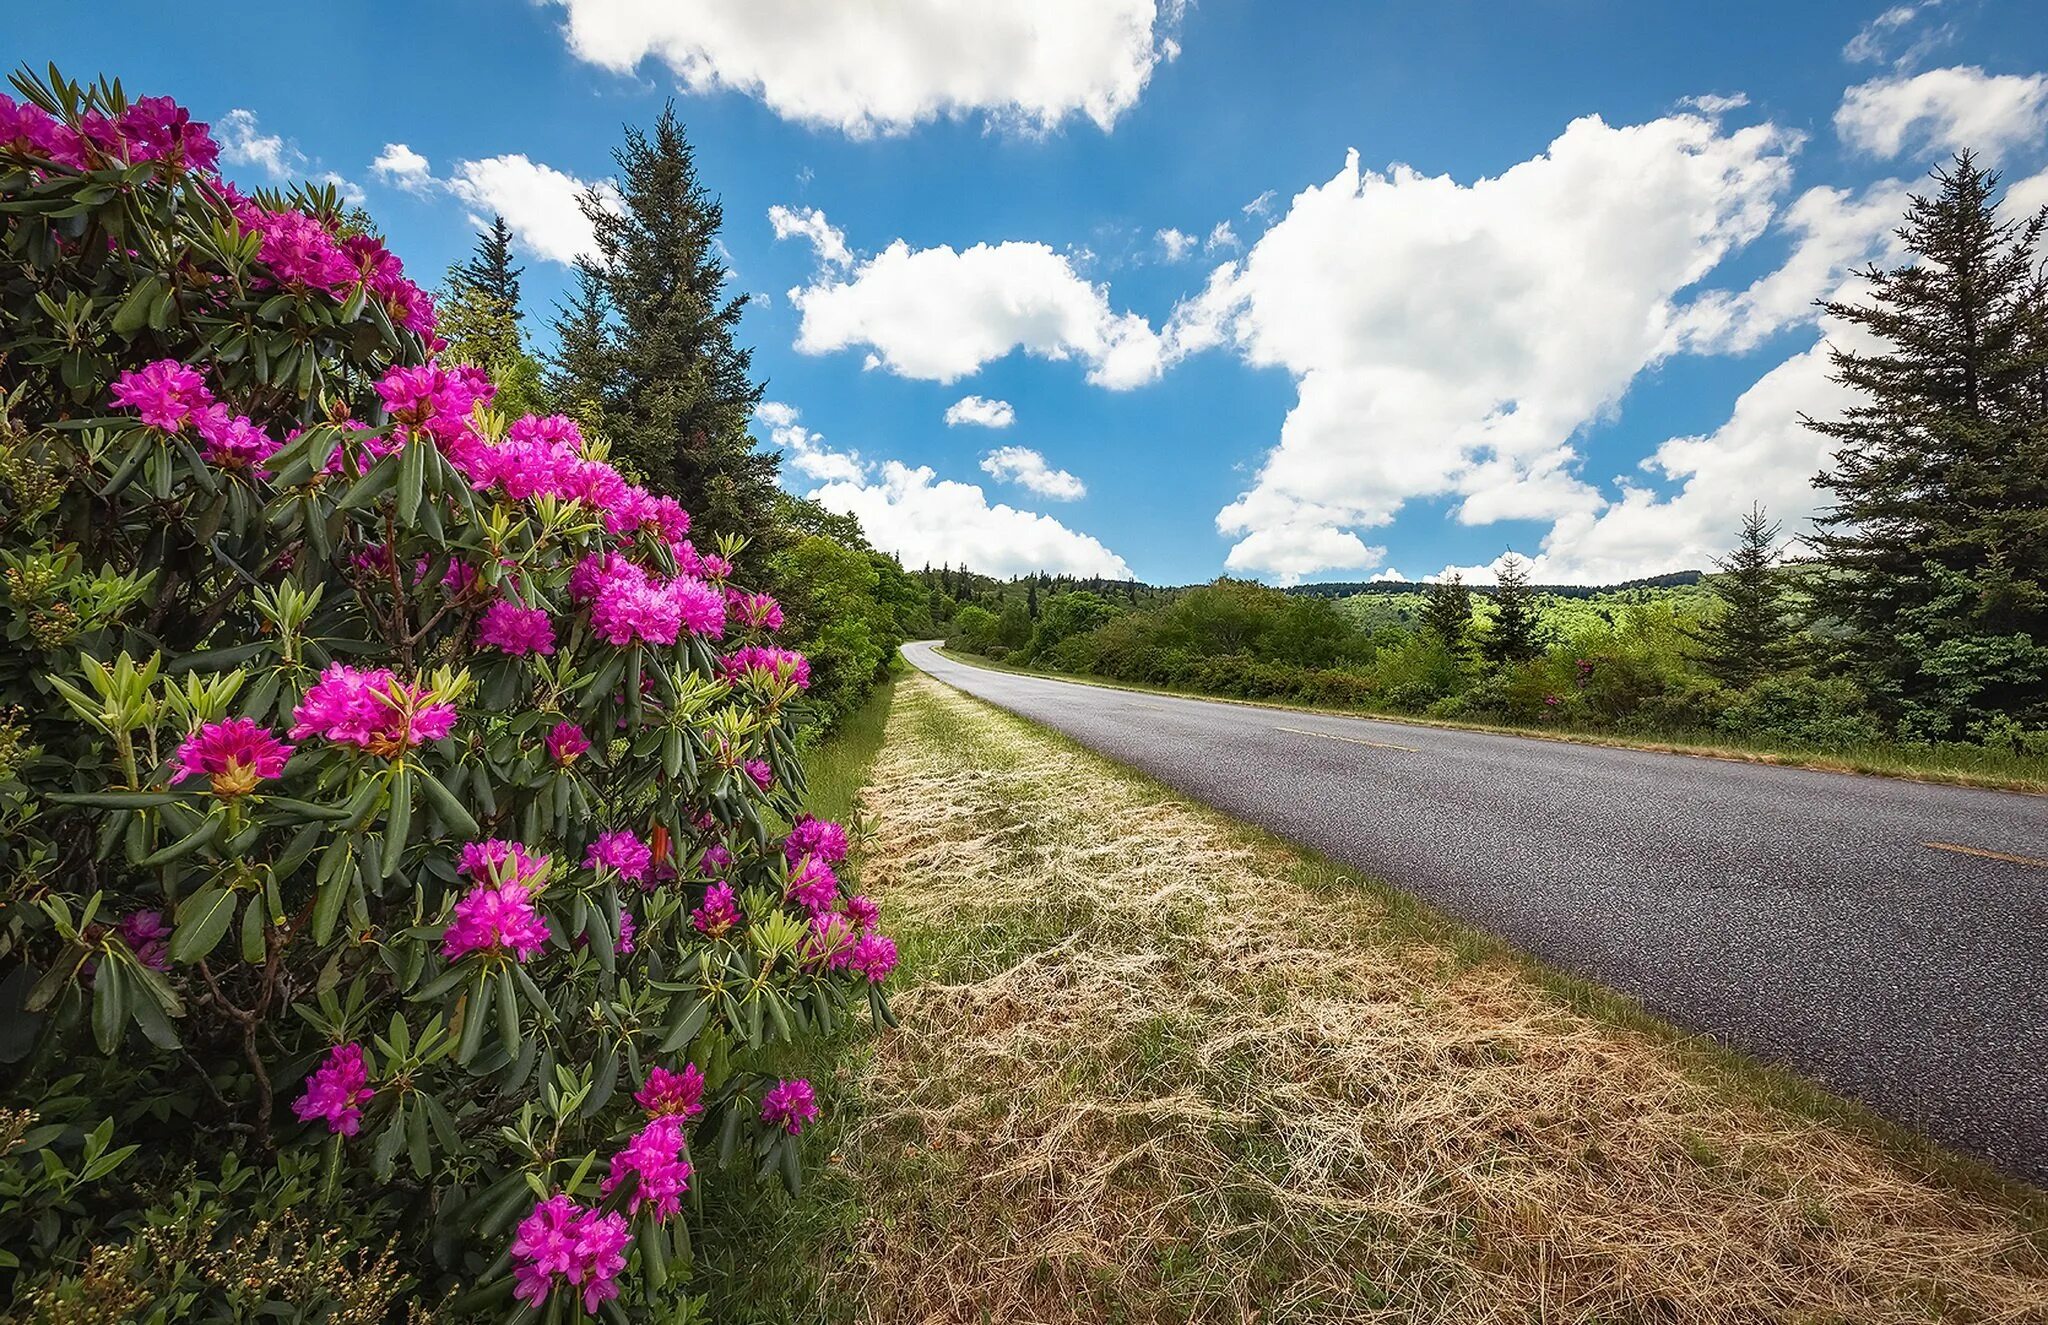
(1797, 915)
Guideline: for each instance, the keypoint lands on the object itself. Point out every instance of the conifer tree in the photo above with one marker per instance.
(1937, 535)
(1447, 612)
(480, 319)
(1514, 635)
(1750, 637)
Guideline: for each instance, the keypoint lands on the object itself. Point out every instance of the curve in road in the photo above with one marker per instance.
(1804, 917)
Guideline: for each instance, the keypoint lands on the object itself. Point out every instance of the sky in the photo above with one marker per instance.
(1313, 290)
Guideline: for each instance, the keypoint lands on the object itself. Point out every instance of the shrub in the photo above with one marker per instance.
(403, 875)
(1827, 713)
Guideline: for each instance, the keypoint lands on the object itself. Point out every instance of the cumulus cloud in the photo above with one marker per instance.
(980, 412)
(808, 223)
(939, 314)
(867, 69)
(1222, 239)
(1449, 340)
(923, 519)
(805, 451)
(399, 165)
(1176, 244)
(243, 143)
(1944, 110)
(1027, 469)
(541, 204)
(2028, 196)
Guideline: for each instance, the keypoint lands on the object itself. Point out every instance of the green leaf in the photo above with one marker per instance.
(398, 824)
(412, 478)
(686, 1025)
(109, 1006)
(475, 1015)
(184, 846)
(202, 919)
(117, 800)
(508, 1013)
(252, 932)
(459, 820)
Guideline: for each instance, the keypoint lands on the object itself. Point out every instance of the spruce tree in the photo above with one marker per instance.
(1515, 634)
(490, 268)
(648, 343)
(1447, 612)
(1937, 535)
(480, 320)
(1750, 637)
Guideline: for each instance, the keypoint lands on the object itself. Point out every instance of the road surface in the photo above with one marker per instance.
(1804, 917)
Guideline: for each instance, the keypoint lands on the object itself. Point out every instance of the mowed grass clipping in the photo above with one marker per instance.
(1154, 1067)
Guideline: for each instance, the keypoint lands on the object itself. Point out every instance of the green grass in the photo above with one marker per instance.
(762, 1258)
(1954, 764)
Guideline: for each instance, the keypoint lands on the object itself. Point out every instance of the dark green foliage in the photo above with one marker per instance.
(1447, 611)
(1515, 634)
(480, 320)
(1751, 636)
(1937, 535)
(489, 271)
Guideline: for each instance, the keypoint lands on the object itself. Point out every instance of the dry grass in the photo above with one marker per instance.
(1151, 1071)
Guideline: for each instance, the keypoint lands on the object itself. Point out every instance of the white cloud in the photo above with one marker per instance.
(927, 520)
(809, 223)
(540, 203)
(1875, 41)
(981, 412)
(350, 191)
(1450, 340)
(939, 315)
(806, 451)
(399, 165)
(1176, 244)
(1709, 104)
(243, 144)
(1261, 205)
(1944, 110)
(1027, 468)
(1868, 45)
(1222, 239)
(2026, 197)
(868, 68)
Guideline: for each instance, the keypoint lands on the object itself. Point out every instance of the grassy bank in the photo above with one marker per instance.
(1158, 1066)
(1957, 765)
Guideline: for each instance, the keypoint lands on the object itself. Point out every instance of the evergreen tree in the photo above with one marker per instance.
(1750, 637)
(480, 317)
(648, 347)
(1937, 536)
(1447, 612)
(490, 268)
(1515, 635)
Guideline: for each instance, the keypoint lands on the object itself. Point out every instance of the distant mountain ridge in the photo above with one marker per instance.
(1350, 588)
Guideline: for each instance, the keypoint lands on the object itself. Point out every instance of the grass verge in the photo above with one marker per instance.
(1157, 1066)
(1955, 765)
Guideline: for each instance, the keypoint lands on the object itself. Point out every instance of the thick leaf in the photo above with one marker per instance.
(202, 919)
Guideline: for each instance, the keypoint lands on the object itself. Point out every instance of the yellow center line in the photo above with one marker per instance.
(1988, 855)
(1354, 740)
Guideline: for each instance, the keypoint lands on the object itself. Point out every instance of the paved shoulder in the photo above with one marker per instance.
(1889, 938)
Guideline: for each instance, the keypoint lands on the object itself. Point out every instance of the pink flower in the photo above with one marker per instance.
(620, 851)
(566, 742)
(497, 914)
(719, 913)
(299, 250)
(510, 628)
(716, 857)
(33, 131)
(146, 935)
(812, 885)
(337, 1091)
(498, 861)
(371, 710)
(164, 394)
(830, 942)
(756, 610)
(561, 1239)
(627, 603)
(236, 753)
(761, 773)
(679, 1093)
(232, 441)
(863, 912)
(873, 956)
(790, 1105)
(815, 837)
(761, 666)
(623, 945)
(159, 129)
(655, 1154)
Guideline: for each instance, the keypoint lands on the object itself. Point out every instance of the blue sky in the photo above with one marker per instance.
(1559, 300)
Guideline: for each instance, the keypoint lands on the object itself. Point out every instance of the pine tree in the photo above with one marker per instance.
(648, 347)
(490, 268)
(1447, 612)
(480, 319)
(1514, 636)
(1937, 536)
(1750, 637)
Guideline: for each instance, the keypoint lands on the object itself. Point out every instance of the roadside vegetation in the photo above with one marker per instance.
(1909, 633)
(1158, 1066)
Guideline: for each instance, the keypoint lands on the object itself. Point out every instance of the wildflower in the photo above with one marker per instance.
(679, 1093)
(719, 913)
(561, 1239)
(628, 604)
(232, 441)
(371, 710)
(790, 1105)
(761, 773)
(620, 851)
(762, 666)
(874, 956)
(655, 1156)
(236, 753)
(164, 394)
(159, 129)
(510, 628)
(337, 1091)
(816, 837)
(147, 936)
(566, 742)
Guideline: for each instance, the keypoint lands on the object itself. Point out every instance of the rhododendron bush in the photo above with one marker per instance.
(401, 834)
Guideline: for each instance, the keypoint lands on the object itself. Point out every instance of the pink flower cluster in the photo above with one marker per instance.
(498, 861)
(758, 611)
(815, 837)
(149, 129)
(812, 885)
(562, 1240)
(148, 937)
(371, 710)
(760, 665)
(301, 251)
(874, 956)
(623, 945)
(165, 394)
(621, 852)
(789, 1105)
(719, 913)
(678, 1093)
(497, 914)
(655, 1157)
(566, 742)
(235, 753)
(337, 1091)
(628, 603)
(510, 628)
(762, 774)
(233, 441)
